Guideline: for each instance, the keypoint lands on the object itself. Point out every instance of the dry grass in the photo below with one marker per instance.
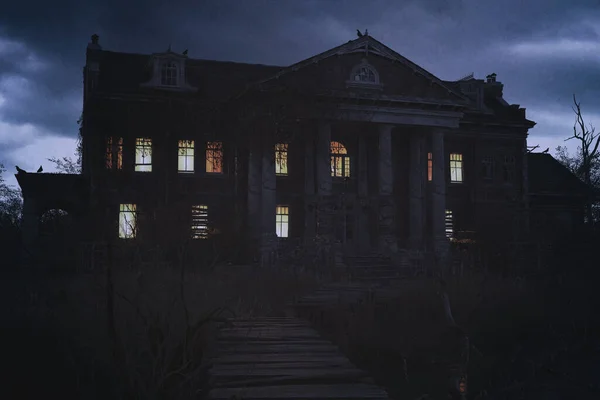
(518, 335)
(59, 335)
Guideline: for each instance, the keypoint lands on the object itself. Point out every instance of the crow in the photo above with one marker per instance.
(546, 151)
(358, 33)
(185, 52)
(19, 170)
(40, 169)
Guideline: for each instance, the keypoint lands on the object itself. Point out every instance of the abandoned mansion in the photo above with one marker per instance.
(356, 147)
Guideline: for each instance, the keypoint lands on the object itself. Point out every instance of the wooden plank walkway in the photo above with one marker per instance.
(283, 358)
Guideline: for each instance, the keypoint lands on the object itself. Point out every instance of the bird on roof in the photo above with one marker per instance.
(358, 33)
(19, 170)
(546, 151)
(185, 52)
(40, 169)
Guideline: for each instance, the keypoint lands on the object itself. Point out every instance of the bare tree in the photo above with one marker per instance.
(586, 163)
(67, 165)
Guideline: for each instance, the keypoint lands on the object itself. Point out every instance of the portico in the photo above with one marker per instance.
(375, 197)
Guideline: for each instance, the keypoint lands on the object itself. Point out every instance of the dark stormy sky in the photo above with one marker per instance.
(542, 50)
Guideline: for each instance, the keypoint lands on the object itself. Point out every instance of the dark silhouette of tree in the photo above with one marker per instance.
(67, 165)
(585, 163)
(10, 203)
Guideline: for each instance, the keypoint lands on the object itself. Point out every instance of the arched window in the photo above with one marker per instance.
(365, 74)
(340, 160)
(168, 74)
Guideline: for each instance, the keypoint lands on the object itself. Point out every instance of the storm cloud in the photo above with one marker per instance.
(542, 50)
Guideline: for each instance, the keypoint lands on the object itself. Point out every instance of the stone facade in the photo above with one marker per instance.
(414, 150)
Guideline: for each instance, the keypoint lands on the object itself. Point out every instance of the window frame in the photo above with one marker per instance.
(429, 166)
(371, 71)
(210, 152)
(488, 164)
(340, 154)
(456, 168)
(282, 219)
(199, 228)
(281, 161)
(128, 209)
(449, 224)
(183, 154)
(509, 169)
(114, 153)
(169, 73)
(142, 143)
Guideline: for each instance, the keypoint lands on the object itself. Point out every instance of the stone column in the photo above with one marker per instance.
(387, 239)
(309, 189)
(254, 197)
(325, 212)
(417, 178)
(362, 233)
(323, 160)
(268, 203)
(438, 197)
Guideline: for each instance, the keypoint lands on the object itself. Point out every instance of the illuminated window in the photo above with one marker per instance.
(214, 157)
(199, 222)
(282, 221)
(456, 168)
(185, 156)
(449, 223)
(168, 74)
(127, 221)
(487, 168)
(429, 166)
(281, 159)
(340, 160)
(509, 169)
(143, 155)
(114, 153)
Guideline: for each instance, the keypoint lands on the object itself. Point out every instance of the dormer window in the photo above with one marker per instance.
(168, 74)
(364, 75)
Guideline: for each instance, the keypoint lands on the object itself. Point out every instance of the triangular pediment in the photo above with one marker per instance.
(366, 47)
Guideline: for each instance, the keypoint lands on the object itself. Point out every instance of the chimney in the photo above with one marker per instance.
(492, 86)
(92, 66)
(93, 45)
(491, 78)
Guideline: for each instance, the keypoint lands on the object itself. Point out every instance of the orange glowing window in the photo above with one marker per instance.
(429, 167)
(214, 157)
(340, 160)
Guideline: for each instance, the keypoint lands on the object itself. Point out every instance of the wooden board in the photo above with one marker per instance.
(278, 358)
(339, 391)
(281, 347)
(283, 358)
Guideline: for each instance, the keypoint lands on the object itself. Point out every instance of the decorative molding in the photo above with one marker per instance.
(388, 115)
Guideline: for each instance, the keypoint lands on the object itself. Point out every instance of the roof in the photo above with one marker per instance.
(548, 176)
(219, 81)
(216, 80)
(367, 44)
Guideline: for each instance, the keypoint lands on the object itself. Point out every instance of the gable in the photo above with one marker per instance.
(331, 71)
